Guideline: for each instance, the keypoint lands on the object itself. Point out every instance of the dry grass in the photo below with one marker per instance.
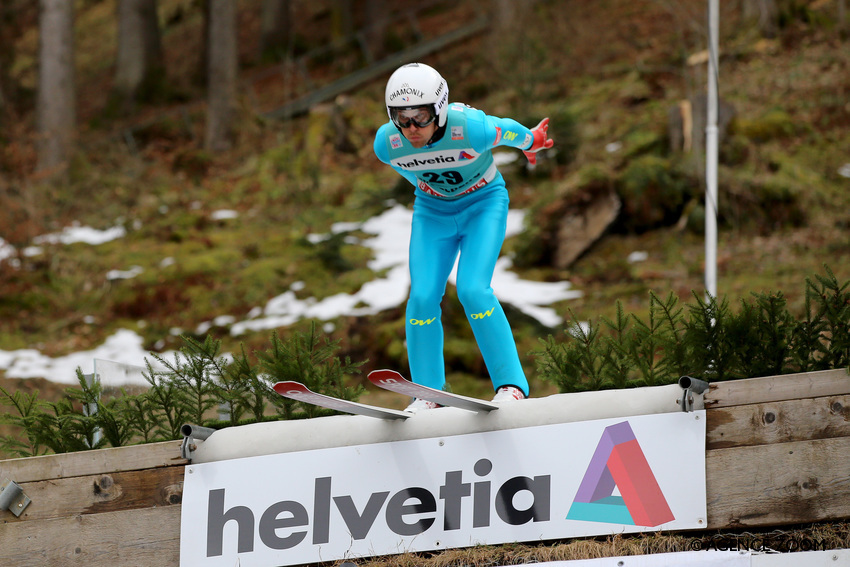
(817, 537)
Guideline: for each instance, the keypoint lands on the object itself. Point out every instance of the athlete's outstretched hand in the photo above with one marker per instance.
(541, 141)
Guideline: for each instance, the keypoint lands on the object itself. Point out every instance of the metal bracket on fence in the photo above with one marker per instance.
(690, 386)
(13, 499)
(192, 433)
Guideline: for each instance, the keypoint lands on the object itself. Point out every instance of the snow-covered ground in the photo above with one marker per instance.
(389, 234)
(391, 231)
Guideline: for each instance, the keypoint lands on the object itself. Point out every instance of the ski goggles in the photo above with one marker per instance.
(419, 116)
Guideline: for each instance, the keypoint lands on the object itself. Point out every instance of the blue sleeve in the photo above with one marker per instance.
(508, 132)
(486, 132)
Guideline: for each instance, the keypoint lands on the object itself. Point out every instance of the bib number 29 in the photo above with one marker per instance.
(450, 177)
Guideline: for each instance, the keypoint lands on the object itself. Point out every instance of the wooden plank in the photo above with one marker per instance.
(778, 388)
(148, 537)
(780, 484)
(100, 493)
(778, 422)
(103, 461)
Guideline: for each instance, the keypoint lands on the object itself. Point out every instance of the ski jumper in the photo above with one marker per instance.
(461, 207)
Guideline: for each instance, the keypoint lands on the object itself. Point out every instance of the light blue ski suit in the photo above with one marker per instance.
(461, 207)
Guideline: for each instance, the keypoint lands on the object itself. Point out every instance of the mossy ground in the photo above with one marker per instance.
(615, 76)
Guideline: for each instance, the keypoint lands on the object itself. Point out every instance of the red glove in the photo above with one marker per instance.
(540, 141)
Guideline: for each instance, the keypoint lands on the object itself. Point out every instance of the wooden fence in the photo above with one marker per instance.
(778, 453)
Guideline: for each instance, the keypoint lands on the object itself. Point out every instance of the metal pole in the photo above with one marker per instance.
(91, 409)
(711, 155)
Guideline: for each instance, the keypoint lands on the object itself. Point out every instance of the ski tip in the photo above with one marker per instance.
(289, 386)
(384, 373)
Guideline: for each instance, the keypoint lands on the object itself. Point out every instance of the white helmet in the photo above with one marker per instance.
(414, 85)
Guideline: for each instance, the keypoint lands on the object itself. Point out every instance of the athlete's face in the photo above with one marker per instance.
(418, 123)
(418, 137)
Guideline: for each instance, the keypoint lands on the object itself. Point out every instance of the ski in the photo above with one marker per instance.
(300, 392)
(393, 381)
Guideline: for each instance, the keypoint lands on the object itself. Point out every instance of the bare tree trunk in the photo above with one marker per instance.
(505, 15)
(768, 18)
(504, 34)
(139, 66)
(222, 73)
(56, 112)
(749, 9)
(275, 28)
(342, 19)
(375, 29)
(508, 49)
(766, 12)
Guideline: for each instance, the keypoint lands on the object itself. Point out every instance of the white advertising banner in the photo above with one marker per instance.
(600, 477)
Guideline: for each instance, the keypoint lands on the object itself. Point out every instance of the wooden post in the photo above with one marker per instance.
(109, 507)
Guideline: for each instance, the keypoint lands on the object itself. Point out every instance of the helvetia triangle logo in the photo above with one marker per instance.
(619, 462)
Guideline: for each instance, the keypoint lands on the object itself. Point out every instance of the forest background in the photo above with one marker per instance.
(153, 114)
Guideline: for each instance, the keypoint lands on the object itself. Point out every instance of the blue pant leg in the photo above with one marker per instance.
(433, 249)
(483, 232)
